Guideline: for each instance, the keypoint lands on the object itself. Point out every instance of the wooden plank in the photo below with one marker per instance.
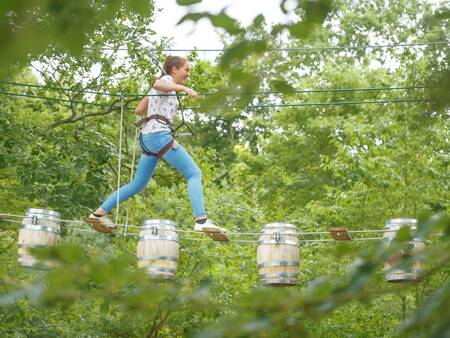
(216, 234)
(95, 223)
(340, 234)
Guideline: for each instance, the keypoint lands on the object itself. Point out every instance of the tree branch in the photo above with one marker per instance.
(74, 118)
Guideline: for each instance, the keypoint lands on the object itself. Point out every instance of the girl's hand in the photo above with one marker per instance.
(190, 92)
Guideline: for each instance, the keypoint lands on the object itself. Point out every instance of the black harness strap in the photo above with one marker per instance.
(160, 153)
(160, 118)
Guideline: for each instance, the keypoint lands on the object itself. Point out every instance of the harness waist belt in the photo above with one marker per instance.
(160, 118)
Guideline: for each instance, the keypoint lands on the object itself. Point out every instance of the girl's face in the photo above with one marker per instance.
(180, 75)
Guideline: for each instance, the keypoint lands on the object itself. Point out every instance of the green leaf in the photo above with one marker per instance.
(301, 29)
(277, 29)
(403, 235)
(282, 86)
(316, 10)
(226, 22)
(259, 20)
(143, 7)
(433, 223)
(193, 17)
(241, 50)
(363, 270)
(221, 20)
(188, 2)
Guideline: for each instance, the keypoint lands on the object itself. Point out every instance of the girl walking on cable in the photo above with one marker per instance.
(157, 141)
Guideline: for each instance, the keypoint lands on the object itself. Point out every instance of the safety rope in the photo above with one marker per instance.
(119, 165)
(133, 160)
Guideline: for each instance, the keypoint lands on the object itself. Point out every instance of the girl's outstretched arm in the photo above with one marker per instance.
(164, 86)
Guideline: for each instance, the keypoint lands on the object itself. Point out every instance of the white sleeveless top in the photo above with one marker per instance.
(165, 104)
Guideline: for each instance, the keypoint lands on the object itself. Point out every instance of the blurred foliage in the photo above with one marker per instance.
(30, 28)
(315, 166)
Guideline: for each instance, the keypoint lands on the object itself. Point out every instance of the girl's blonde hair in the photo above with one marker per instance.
(173, 61)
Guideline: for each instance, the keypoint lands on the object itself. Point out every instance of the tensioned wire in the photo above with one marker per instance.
(307, 104)
(226, 93)
(367, 231)
(299, 49)
(301, 241)
(59, 100)
(209, 240)
(192, 231)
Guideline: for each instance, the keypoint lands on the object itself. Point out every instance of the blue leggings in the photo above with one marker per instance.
(178, 158)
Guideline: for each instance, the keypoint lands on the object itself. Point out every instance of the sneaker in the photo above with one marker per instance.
(101, 223)
(209, 227)
(216, 233)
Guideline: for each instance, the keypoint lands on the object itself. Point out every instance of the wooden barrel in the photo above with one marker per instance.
(278, 254)
(39, 228)
(157, 249)
(406, 266)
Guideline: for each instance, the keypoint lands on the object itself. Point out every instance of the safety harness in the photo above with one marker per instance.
(160, 118)
(163, 120)
(160, 153)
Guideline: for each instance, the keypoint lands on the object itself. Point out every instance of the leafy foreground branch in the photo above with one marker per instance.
(128, 294)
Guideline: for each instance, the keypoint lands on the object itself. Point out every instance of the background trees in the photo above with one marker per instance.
(304, 162)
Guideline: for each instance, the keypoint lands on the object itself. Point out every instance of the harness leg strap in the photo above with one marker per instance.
(163, 150)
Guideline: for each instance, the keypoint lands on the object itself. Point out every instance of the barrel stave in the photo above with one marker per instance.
(278, 255)
(405, 266)
(158, 249)
(39, 228)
